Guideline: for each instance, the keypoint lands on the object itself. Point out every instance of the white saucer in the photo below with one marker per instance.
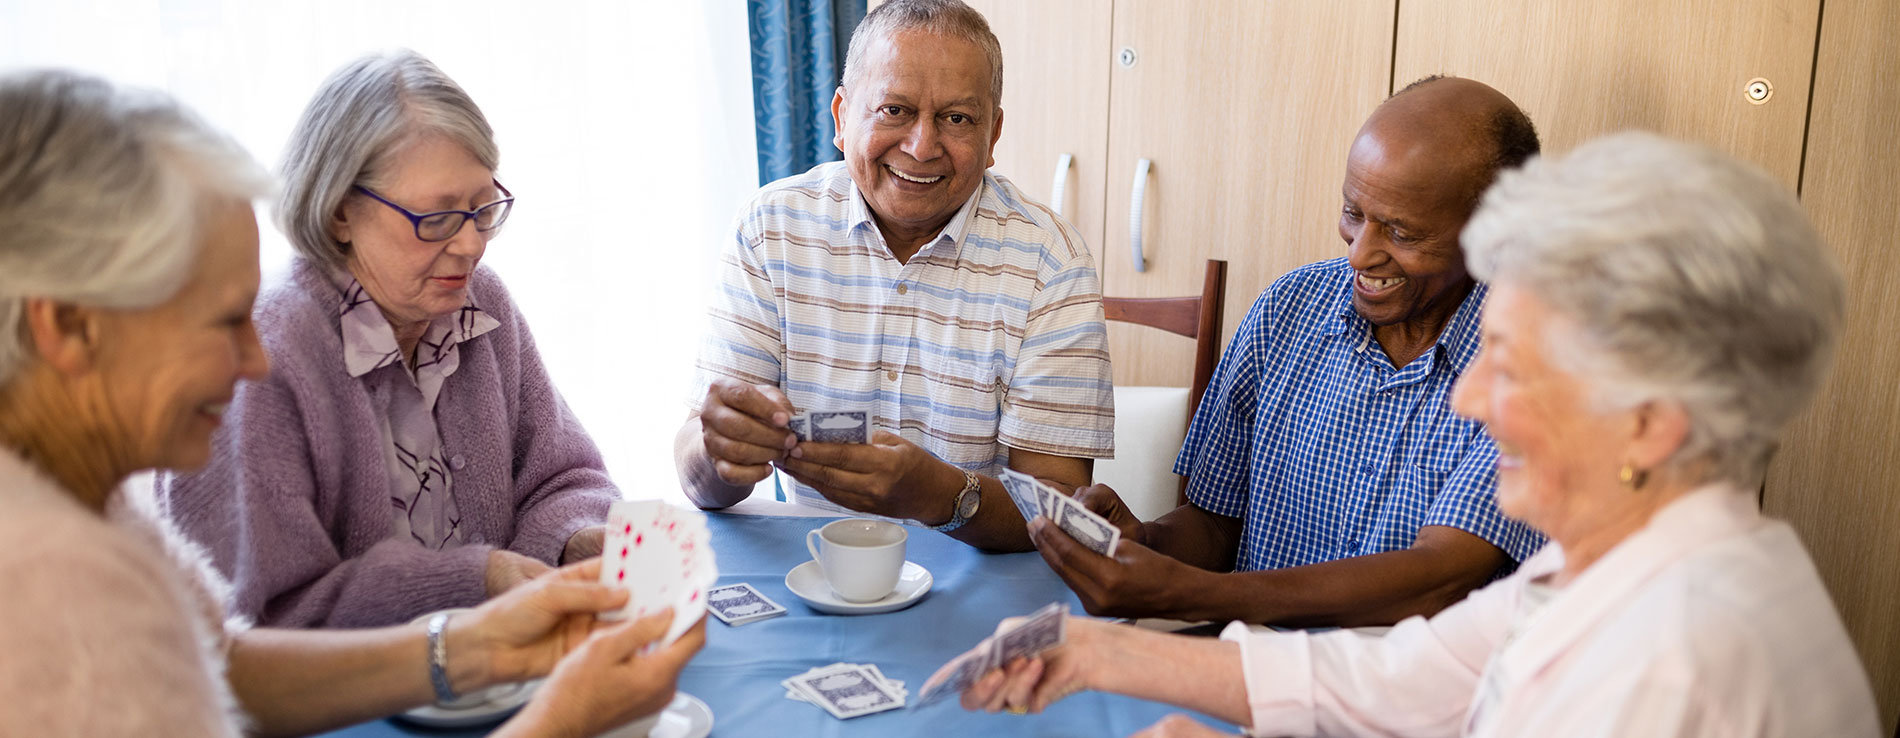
(685, 717)
(808, 582)
(503, 701)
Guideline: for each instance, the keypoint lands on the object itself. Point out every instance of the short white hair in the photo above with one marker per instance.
(105, 195)
(1693, 278)
(950, 18)
(360, 116)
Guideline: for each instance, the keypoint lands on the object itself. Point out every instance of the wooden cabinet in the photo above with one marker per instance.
(1244, 111)
(1837, 476)
(1581, 70)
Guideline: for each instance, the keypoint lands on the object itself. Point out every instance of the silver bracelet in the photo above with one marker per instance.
(439, 658)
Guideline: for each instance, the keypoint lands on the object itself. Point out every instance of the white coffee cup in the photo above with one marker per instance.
(860, 557)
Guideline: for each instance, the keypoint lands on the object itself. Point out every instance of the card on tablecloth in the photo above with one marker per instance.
(1015, 638)
(847, 690)
(740, 604)
(662, 555)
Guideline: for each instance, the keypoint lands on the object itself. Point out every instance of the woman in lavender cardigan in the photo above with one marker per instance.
(408, 452)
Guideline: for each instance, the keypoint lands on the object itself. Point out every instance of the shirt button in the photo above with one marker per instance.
(1365, 469)
(1352, 544)
(457, 462)
(891, 375)
(902, 288)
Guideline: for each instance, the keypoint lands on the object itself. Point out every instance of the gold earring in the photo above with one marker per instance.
(1632, 477)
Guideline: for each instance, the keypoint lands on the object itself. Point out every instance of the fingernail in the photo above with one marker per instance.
(798, 453)
(781, 419)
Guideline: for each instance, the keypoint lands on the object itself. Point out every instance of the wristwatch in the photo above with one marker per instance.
(968, 500)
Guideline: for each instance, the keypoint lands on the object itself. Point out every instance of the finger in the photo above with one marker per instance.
(740, 474)
(1098, 498)
(978, 695)
(745, 442)
(1059, 551)
(622, 641)
(1023, 684)
(570, 597)
(999, 700)
(674, 656)
(851, 456)
(778, 399)
(828, 477)
(584, 571)
(751, 400)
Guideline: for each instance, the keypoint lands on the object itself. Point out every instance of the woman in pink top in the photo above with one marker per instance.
(128, 265)
(1659, 312)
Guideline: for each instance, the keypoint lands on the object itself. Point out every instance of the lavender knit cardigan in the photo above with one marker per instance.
(294, 504)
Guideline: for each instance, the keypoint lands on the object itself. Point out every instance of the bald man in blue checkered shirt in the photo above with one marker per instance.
(1329, 481)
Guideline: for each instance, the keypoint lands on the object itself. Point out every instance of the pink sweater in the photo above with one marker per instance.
(295, 504)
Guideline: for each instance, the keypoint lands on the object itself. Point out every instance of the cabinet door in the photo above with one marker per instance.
(1837, 476)
(1583, 69)
(1055, 101)
(1245, 110)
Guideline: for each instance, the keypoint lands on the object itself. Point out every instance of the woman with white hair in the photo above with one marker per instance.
(128, 264)
(1659, 312)
(408, 452)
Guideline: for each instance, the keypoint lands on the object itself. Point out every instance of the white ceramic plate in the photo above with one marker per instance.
(685, 717)
(808, 582)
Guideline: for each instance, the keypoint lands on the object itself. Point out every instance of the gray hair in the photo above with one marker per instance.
(1693, 278)
(105, 195)
(364, 113)
(942, 17)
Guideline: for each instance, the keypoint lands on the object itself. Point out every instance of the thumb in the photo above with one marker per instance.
(569, 598)
(623, 641)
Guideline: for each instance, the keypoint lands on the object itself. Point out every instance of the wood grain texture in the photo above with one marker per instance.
(1247, 110)
(1837, 477)
(1055, 100)
(1582, 69)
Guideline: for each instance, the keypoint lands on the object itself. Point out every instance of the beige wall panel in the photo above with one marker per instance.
(1585, 68)
(1055, 100)
(1837, 477)
(1246, 109)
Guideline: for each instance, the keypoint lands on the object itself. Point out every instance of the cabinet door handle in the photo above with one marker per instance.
(1059, 192)
(1137, 194)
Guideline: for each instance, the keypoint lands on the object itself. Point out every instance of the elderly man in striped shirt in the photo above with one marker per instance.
(1329, 481)
(906, 282)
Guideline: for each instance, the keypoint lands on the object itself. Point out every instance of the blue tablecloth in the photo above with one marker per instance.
(739, 671)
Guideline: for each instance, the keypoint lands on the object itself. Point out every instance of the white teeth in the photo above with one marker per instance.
(908, 178)
(215, 409)
(1376, 285)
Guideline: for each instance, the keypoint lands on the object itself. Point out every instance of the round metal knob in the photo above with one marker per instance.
(1758, 90)
(1127, 56)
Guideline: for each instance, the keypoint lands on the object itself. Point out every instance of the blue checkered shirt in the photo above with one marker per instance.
(1309, 434)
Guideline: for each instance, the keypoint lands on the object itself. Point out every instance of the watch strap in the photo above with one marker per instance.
(972, 485)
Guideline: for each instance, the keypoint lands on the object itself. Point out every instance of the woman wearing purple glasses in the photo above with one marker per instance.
(408, 452)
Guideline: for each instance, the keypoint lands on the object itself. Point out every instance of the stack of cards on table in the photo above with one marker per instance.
(1017, 638)
(662, 554)
(832, 426)
(739, 604)
(1033, 498)
(847, 690)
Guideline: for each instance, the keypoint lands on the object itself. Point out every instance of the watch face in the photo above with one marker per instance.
(966, 506)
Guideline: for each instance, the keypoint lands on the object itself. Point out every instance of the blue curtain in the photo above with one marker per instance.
(798, 49)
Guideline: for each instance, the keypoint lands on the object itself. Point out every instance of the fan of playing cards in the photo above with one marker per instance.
(662, 554)
(1018, 638)
(1034, 498)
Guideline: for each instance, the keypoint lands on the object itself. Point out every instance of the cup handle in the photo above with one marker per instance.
(811, 544)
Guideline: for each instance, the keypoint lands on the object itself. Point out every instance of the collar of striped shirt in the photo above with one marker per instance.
(952, 232)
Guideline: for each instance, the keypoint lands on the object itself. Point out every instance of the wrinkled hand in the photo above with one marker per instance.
(507, 570)
(584, 544)
(1032, 684)
(1180, 726)
(1102, 500)
(523, 633)
(607, 682)
(889, 476)
(743, 429)
(1136, 583)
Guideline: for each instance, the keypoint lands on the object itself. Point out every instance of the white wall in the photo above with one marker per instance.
(625, 130)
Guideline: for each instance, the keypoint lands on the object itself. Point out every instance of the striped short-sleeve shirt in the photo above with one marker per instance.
(989, 338)
(1327, 451)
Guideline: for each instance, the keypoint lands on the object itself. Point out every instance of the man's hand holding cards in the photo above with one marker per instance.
(662, 555)
(1033, 497)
